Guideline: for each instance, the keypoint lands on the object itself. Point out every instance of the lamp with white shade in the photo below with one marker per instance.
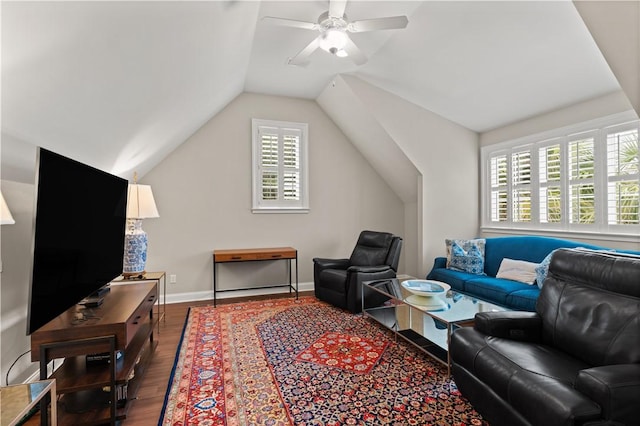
(5, 215)
(140, 205)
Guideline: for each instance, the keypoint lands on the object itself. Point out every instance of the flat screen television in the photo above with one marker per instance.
(78, 240)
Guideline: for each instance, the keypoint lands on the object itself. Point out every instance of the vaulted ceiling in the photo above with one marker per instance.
(119, 85)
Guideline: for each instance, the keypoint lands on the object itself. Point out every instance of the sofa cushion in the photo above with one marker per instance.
(456, 279)
(528, 376)
(523, 300)
(589, 306)
(492, 289)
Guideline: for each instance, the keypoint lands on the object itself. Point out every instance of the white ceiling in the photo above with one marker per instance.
(119, 85)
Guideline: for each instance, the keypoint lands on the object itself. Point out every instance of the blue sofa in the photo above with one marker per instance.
(510, 294)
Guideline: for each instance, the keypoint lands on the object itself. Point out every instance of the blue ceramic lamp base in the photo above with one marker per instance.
(135, 249)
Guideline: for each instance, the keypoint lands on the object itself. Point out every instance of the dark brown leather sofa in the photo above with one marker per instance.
(575, 361)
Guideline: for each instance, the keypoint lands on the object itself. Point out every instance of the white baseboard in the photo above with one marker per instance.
(50, 370)
(208, 295)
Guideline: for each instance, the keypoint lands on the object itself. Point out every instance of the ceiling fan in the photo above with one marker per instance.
(333, 26)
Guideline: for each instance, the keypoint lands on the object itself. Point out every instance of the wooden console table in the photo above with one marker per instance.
(124, 322)
(252, 255)
(159, 277)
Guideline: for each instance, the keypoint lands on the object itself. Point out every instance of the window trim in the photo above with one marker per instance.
(600, 128)
(279, 206)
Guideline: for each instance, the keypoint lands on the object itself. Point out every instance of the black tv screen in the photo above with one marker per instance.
(78, 237)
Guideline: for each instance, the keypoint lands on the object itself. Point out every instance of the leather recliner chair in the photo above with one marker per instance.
(575, 361)
(339, 281)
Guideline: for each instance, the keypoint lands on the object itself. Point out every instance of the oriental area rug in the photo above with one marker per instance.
(288, 362)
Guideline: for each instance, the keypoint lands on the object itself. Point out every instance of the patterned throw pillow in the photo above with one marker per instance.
(466, 245)
(543, 269)
(469, 260)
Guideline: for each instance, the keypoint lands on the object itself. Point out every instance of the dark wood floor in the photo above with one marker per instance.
(145, 410)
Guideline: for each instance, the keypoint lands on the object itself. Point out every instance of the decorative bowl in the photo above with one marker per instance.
(426, 288)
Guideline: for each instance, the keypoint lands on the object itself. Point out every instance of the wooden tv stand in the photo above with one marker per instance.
(124, 322)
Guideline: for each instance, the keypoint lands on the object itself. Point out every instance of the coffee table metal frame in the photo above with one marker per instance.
(385, 301)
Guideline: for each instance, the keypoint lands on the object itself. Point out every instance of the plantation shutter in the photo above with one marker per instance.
(268, 168)
(521, 186)
(623, 177)
(291, 164)
(581, 181)
(499, 188)
(550, 181)
(279, 166)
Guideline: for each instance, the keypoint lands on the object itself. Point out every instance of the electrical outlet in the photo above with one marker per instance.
(173, 279)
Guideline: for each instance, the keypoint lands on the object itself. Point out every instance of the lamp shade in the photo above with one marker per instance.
(5, 214)
(140, 202)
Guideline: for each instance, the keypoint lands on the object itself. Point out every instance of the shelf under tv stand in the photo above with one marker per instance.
(124, 322)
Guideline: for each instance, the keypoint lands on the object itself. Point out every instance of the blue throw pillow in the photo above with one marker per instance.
(470, 260)
(543, 269)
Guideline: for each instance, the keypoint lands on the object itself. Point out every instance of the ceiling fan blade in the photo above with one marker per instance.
(336, 8)
(302, 58)
(388, 23)
(354, 52)
(291, 23)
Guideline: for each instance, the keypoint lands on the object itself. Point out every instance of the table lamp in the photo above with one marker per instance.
(140, 205)
(5, 214)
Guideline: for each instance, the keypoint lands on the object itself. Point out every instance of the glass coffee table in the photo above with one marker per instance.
(418, 320)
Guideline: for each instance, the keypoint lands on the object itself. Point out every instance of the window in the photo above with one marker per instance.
(550, 183)
(580, 178)
(521, 186)
(623, 171)
(280, 182)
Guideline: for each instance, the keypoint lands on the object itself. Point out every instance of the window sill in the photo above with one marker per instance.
(626, 238)
(280, 210)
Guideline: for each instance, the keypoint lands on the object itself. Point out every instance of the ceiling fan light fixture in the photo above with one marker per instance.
(342, 53)
(333, 40)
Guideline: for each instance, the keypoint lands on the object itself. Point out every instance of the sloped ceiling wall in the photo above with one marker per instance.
(615, 27)
(443, 165)
(119, 85)
(367, 134)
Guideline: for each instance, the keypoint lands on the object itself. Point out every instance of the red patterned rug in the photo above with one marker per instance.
(287, 362)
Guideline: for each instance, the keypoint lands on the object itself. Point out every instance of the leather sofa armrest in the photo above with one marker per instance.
(615, 388)
(331, 263)
(369, 269)
(356, 275)
(513, 325)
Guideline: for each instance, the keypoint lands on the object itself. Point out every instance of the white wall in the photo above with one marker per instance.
(366, 134)
(611, 103)
(615, 27)
(445, 154)
(15, 281)
(203, 193)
